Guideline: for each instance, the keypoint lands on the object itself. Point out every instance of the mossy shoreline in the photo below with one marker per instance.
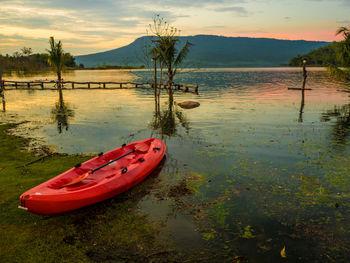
(111, 231)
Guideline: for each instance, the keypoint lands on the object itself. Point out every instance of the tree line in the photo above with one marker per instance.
(336, 56)
(25, 61)
(321, 57)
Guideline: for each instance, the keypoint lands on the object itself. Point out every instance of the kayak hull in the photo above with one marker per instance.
(54, 197)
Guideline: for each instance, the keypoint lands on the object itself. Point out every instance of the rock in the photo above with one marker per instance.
(189, 104)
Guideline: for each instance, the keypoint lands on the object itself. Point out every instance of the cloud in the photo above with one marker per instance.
(343, 22)
(238, 10)
(106, 24)
(345, 3)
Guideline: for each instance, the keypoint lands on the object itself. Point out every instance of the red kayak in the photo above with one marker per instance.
(95, 180)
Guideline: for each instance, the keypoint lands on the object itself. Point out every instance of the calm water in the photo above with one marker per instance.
(268, 168)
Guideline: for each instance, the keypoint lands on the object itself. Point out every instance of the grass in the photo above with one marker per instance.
(111, 231)
(339, 74)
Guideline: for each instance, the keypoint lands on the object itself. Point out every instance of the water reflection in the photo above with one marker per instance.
(302, 104)
(62, 113)
(164, 121)
(341, 128)
(2, 96)
(253, 179)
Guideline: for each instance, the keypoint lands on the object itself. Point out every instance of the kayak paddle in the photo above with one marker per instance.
(140, 147)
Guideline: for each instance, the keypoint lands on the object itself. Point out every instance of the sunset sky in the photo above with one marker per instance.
(89, 26)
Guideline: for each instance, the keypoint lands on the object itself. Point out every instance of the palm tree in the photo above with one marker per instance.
(165, 50)
(56, 60)
(170, 56)
(345, 47)
(343, 31)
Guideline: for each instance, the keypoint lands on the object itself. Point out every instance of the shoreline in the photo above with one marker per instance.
(113, 229)
(62, 237)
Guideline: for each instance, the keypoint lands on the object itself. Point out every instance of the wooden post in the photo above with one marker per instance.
(89, 85)
(196, 89)
(28, 85)
(104, 85)
(121, 85)
(16, 85)
(72, 85)
(304, 73)
(42, 85)
(2, 95)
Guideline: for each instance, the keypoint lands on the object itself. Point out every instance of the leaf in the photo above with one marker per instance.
(283, 252)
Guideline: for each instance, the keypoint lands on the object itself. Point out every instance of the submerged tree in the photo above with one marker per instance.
(166, 56)
(165, 49)
(57, 59)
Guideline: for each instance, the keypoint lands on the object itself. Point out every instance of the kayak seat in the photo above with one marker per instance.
(80, 185)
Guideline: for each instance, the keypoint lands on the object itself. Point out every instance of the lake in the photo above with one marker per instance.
(268, 167)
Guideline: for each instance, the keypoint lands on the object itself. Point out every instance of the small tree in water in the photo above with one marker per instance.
(56, 60)
(165, 50)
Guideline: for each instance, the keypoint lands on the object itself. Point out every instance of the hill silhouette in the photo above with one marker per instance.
(211, 51)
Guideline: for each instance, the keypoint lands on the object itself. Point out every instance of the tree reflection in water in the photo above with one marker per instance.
(2, 96)
(165, 121)
(62, 113)
(341, 127)
(302, 104)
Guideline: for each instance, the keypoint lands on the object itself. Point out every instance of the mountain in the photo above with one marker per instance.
(211, 51)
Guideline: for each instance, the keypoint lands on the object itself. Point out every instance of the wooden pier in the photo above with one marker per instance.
(52, 85)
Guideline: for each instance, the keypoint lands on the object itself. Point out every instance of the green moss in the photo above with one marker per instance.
(247, 233)
(208, 236)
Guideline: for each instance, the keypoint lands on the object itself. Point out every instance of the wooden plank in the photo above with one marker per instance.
(298, 89)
